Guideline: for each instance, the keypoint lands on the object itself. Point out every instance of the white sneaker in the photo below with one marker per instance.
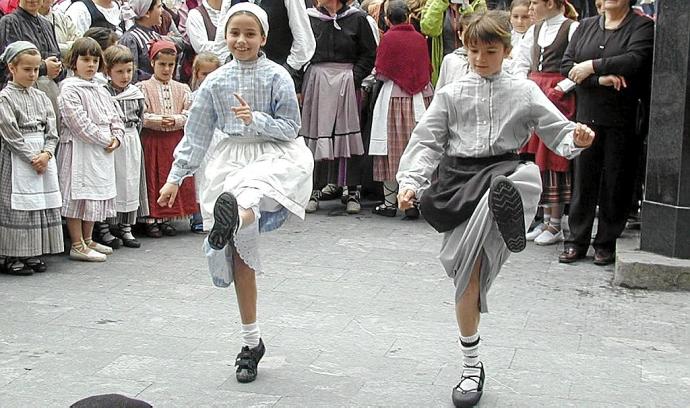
(105, 250)
(549, 238)
(312, 206)
(532, 235)
(86, 254)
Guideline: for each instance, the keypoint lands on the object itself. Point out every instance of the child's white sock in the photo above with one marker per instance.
(555, 223)
(470, 349)
(390, 192)
(547, 218)
(250, 335)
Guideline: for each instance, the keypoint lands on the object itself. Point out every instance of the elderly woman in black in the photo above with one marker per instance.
(610, 59)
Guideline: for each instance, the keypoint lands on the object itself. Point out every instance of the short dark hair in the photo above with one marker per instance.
(488, 27)
(84, 47)
(397, 11)
(117, 54)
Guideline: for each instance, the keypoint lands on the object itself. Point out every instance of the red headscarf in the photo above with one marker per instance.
(403, 57)
(157, 46)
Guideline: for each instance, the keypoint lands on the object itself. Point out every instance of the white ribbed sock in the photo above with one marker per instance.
(251, 335)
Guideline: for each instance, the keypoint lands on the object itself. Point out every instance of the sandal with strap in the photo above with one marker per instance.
(247, 362)
(152, 230)
(14, 266)
(464, 397)
(36, 264)
(384, 210)
(167, 229)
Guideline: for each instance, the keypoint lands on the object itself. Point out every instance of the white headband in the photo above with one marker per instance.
(250, 8)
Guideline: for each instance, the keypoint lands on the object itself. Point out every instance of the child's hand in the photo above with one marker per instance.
(406, 199)
(583, 136)
(40, 162)
(243, 112)
(167, 121)
(168, 193)
(113, 145)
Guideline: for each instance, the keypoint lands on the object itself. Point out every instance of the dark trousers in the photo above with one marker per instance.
(604, 176)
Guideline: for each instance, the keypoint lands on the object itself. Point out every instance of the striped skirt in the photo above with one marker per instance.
(557, 187)
(26, 233)
(401, 123)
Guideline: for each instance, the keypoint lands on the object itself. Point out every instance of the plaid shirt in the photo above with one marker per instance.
(264, 85)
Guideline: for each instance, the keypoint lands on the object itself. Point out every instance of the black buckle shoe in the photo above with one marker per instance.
(247, 362)
(466, 399)
(226, 219)
(506, 206)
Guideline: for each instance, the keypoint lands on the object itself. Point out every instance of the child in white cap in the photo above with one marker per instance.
(260, 172)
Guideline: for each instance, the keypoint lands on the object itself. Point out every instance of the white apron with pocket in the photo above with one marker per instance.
(128, 171)
(32, 191)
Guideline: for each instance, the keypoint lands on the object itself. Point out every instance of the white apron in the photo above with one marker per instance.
(128, 171)
(32, 191)
(378, 144)
(93, 171)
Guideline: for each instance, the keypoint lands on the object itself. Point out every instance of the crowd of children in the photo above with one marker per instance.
(460, 113)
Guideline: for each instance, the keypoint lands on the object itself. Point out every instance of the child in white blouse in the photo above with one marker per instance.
(483, 196)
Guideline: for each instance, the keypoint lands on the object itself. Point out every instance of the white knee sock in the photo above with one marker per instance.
(470, 350)
(251, 335)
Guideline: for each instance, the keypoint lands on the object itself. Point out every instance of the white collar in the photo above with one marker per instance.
(555, 20)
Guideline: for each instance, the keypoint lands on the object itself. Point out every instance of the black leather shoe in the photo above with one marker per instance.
(505, 204)
(571, 254)
(604, 256)
(466, 399)
(247, 362)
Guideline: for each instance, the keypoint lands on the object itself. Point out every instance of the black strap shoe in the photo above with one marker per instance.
(466, 399)
(247, 362)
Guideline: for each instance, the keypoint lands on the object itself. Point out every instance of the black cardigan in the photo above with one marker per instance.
(354, 43)
(626, 51)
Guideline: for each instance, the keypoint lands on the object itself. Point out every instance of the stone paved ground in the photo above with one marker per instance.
(354, 310)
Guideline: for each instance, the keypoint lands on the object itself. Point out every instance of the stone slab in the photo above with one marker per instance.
(646, 270)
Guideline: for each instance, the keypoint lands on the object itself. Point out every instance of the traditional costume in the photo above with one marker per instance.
(137, 39)
(472, 131)
(90, 121)
(130, 176)
(165, 99)
(344, 56)
(30, 223)
(404, 96)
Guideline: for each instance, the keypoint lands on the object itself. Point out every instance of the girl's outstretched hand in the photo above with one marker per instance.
(168, 193)
(243, 112)
(406, 199)
(583, 136)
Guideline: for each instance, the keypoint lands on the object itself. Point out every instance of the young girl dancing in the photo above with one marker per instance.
(167, 102)
(130, 180)
(30, 199)
(483, 196)
(260, 173)
(90, 131)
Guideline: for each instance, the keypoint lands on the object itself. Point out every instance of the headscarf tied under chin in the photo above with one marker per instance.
(156, 46)
(15, 49)
(134, 9)
(248, 7)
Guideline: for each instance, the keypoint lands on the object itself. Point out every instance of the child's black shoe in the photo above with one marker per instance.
(506, 206)
(247, 362)
(226, 219)
(469, 390)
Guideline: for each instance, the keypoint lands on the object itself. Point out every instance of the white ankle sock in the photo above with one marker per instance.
(555, 223)
(470, 349)
(250, 335)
